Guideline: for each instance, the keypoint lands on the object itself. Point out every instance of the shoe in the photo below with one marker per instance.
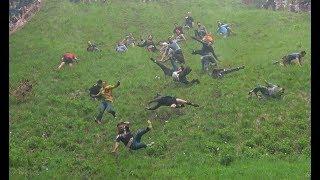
(149, 124)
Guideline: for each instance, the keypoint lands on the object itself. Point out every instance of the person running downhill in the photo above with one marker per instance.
(107, 99)
(179, 76)
(207, 53)
(219, 73)
(269, 91)
(189, 21)
(292, 58)
(68, 58)
(178, 32)
(173, 102)
(130, 140)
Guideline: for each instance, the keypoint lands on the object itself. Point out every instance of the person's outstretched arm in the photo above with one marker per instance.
(115, 147)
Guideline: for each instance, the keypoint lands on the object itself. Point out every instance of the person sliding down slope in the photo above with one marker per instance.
(173, 102)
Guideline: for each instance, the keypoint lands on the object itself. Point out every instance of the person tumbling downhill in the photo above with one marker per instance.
(293, 58)
(130, 140)
(180, 75)
(107, 99)
(173, 102)
(92, 47)
(68, 58)
(220, 72)
(176, 53)
(121, 47)
(269, 91)
(129, 40)
(148, 44)
(208, 56)
(178, 31)
(189, 21)
(201, 31)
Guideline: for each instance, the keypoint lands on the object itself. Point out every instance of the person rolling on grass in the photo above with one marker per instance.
(107, 100)
(129, 40)
(220, 72)
(223, 29)
(180, 75)
(95, 89)
(121, 47)
(92, 47)
(130, 140)
(178, 31)
(269, 91)
(68, 58)
(173, 102)
(293, 58)
(208, 56)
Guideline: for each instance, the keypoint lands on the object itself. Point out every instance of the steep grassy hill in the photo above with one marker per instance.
(53, 133)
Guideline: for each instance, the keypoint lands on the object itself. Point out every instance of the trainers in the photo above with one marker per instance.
(149, 124)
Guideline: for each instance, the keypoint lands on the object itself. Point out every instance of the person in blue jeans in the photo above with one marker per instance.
(130, 140)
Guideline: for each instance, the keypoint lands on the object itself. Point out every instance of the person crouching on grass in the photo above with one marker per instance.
(130, 140)
(107, 99)
(68, 58)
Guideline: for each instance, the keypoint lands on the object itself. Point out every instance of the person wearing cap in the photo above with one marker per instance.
(208, 56)
(106, 100)
(68, 58)
(189, 21)
(131, 140)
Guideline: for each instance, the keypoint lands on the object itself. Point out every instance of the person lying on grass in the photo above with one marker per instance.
(188, 21)
(293, 58)
(106, 100)
(148, 44)
(121, 47)
(178, 31)
(68, 58)
(130, 140)
(201, 31)
(92, 47)
(223, 29)
(173, 102)
(95, 89)
(220, 72)
(269, 91)
(208, 56)
(180, 75)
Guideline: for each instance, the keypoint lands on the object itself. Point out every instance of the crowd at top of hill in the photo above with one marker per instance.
(20, 11)
(289, 5)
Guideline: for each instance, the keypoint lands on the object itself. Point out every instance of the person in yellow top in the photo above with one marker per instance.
(107, 99)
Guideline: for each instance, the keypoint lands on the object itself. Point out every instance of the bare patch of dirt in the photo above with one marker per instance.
(23, 90)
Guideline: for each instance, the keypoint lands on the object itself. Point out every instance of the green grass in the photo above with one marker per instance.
(229, 137)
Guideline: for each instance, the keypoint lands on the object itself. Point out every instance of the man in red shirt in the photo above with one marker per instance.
(68, 58)
(178, 32)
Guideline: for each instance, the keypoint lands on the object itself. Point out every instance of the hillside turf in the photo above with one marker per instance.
(53, 133)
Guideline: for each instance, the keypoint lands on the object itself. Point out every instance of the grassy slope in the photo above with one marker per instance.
(259, 138)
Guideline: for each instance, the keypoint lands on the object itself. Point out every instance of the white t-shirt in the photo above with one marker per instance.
(175, 75)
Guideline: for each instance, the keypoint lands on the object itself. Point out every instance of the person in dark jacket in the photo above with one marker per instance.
(171, 101)
(268, 91)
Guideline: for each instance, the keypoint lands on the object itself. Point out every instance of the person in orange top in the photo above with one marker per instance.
(107, 99)
(68, 58)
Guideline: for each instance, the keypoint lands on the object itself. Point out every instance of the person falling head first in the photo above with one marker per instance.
(68, 58)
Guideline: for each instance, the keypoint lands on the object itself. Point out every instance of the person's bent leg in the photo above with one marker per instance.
(140, 133)
(110, 109)
(62, 64)
(154, 107)
(167, 71)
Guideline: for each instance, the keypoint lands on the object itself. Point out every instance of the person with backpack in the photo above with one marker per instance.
(106, 100)
(208, 56)
(269, 91)
(171, 101)
(131, 140)
(180, 75)
(95, 89)
(68, 58)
